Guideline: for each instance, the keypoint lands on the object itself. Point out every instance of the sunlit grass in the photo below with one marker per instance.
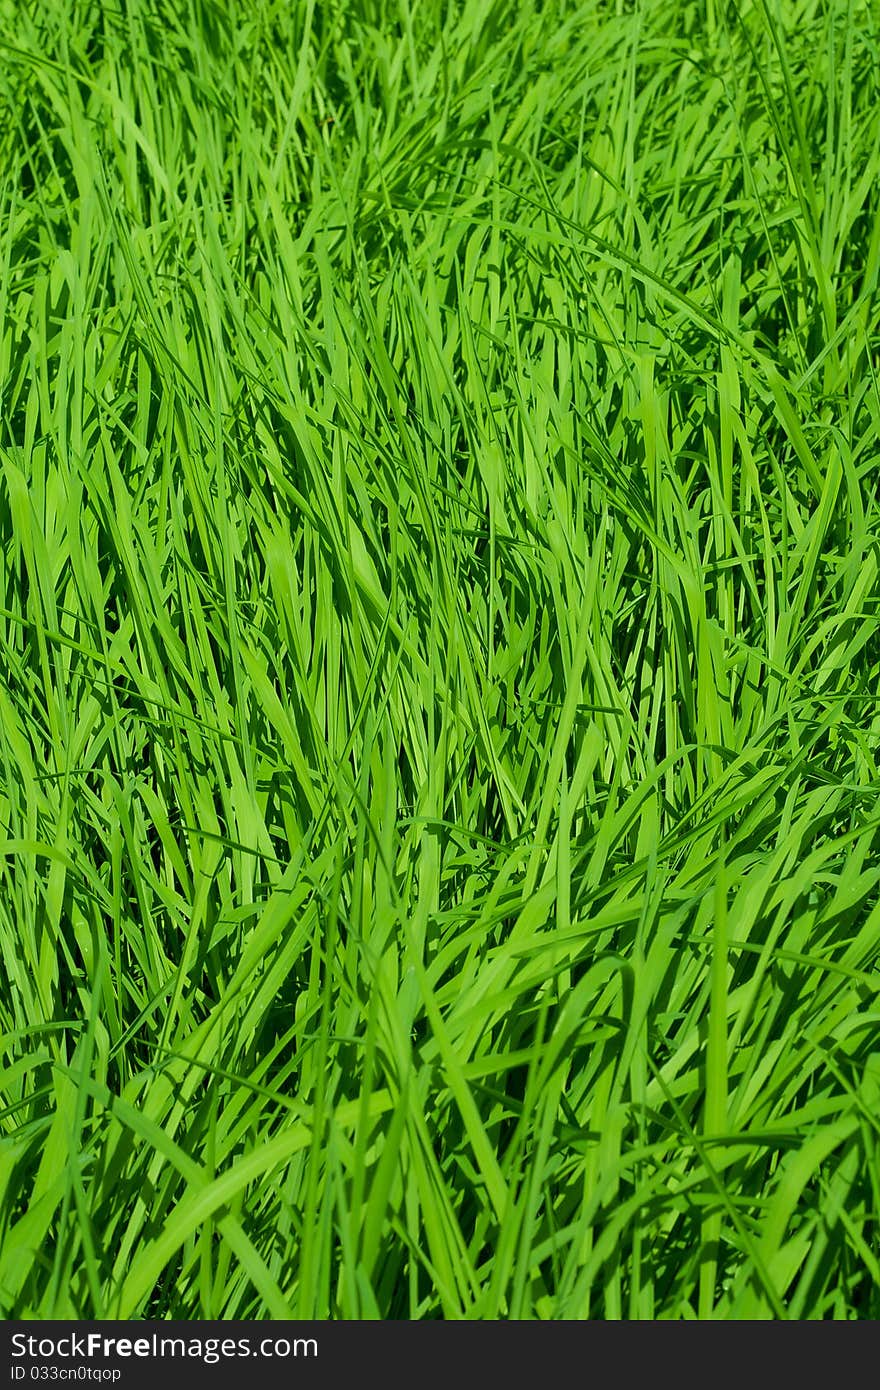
(439, 659)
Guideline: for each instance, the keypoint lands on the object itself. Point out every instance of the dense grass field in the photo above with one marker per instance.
(439, 659)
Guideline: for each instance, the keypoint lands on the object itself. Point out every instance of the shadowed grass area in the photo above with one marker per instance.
(439, 659)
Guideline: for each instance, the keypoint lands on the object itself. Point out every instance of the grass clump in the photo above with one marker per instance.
(440, 659)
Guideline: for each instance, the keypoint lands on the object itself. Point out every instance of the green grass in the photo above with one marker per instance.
(439, 659)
